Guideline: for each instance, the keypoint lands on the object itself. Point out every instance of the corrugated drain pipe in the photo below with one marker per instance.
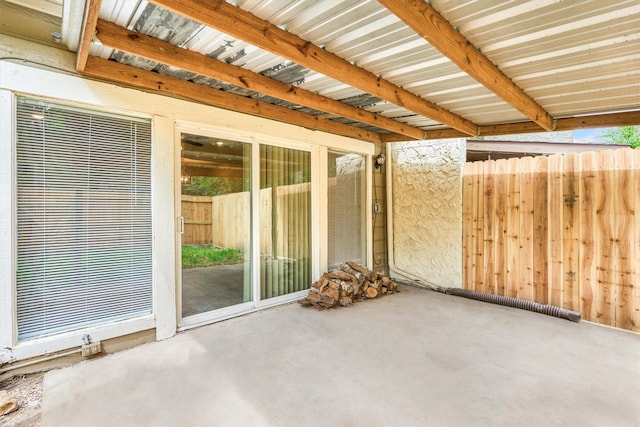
(550, 310)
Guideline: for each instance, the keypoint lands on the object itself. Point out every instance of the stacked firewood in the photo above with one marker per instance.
(351, 283)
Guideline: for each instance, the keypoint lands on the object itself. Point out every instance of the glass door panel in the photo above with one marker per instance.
(285, 221)
(216, 210)
(346, 210)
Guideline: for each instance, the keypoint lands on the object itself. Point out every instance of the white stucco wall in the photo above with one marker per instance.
(426, 204)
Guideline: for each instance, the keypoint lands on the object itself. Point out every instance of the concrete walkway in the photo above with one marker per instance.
(416, 358)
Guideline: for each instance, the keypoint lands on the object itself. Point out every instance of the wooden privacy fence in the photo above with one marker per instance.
(558, 230)
(225, 220)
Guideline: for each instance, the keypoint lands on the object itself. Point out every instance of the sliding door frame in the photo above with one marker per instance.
(315, 219)
(319, 226)
(256, 303)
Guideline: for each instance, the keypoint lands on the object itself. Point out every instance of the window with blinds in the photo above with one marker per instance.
(83, 218)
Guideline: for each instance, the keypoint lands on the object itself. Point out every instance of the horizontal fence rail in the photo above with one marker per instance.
(558, 230)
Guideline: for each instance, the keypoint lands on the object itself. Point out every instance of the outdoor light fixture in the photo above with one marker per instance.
(380, 159)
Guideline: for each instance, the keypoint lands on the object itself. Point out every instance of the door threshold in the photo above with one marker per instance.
(226, 313)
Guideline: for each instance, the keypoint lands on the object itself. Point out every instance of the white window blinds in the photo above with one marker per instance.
(83, 218)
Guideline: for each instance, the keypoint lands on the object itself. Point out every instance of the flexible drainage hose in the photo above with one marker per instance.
(550, 310)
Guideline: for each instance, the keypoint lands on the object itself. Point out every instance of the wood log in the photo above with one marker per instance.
(333, 293)
(358, 275)
(364, 287)
(339, 274)
(322, 299)
(320, 284)
(333, 290)
(345, 301)
(8, 404)
(347, 287)
(364, 270)
(371, 293)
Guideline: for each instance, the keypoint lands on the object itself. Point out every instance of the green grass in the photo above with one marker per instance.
(196, 256)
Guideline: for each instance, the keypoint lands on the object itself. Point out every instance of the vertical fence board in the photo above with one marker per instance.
(587, 265)
(636, 288)
(467, 226)
(625, 254)
(540, 220)
(489, 227)
(512, 227)
(570, 232)
(556, 278)
(500, 229)
(605, 208)
(525, 288)
(478, 197)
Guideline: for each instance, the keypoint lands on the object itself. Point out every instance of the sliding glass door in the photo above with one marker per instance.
(245, 233)
(216, 223)
(285, 221)
(249, 236)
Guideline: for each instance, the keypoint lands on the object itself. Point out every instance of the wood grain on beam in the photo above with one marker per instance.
(428, 23)
(629, 118)
(137, 44)
(238, 23)
(131, 76)
(90, 19)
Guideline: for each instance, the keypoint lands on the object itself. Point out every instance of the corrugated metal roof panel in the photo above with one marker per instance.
(571, 56)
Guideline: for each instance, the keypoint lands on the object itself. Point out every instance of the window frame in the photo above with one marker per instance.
(20, 349)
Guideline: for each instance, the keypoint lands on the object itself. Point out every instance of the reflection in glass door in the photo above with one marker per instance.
(216, 210)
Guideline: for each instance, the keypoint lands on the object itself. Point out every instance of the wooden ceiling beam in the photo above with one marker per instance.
(428, 23)
(92, 10)
(171, 86)
(137, 44)
(595, 121)
(628, 118)
(245, 26)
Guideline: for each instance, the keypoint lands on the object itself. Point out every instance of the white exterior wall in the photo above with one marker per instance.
(425, 210)
(46, 73)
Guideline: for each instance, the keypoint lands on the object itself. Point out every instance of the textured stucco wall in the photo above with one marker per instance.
(427, 209)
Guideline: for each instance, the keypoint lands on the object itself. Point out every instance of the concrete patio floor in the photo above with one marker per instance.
(416, 358)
